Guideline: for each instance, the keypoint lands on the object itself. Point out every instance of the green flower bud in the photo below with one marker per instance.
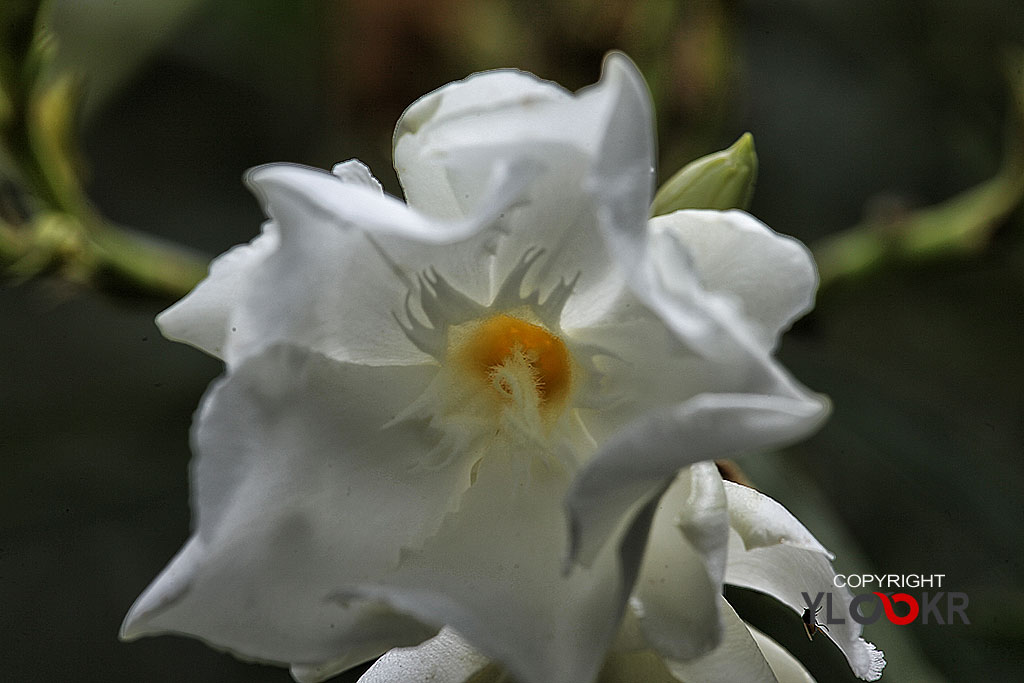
(723, 180)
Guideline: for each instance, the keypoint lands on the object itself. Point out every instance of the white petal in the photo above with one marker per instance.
(347, 260)
(738, 658)
(504, 111)
(794, 564)
(494, 573)
(785, 666)
(762, 521)
(204, 317)
(664, 338)
(676, 597)
(622, 182)
(697, 385)
(688, 286)
(768, 277)
(358, 173)
(362, 206)
(445, 658)
(614, 123)
(480, 110)
(644, 365)
(300, 488)
(201, 317)
(595, 152)
(667, 282)
(517, 195)
(636, 462)
(635, 667)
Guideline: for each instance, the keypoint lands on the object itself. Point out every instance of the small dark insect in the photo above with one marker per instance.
(811, 624)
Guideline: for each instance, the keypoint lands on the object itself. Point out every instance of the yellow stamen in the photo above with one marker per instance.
(503, 340)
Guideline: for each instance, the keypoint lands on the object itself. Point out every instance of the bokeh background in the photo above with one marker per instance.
(860, 110)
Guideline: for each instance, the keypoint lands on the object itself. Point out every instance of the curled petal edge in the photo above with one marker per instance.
(791, 567)
(641, 459)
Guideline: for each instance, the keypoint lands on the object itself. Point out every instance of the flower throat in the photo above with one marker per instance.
(517, 356)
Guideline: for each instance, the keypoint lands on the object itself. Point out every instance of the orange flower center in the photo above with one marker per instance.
(502, 343)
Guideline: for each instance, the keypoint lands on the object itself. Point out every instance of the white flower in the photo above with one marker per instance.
(464, 410)
(677, 626)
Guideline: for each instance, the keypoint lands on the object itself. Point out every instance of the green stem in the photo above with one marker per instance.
(138, 263)
(64, 234)
(106, 257)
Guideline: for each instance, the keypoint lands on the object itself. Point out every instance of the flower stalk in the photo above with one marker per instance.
(960, 226)
(59, 231)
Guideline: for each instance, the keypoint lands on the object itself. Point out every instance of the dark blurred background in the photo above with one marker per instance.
(856, 108)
